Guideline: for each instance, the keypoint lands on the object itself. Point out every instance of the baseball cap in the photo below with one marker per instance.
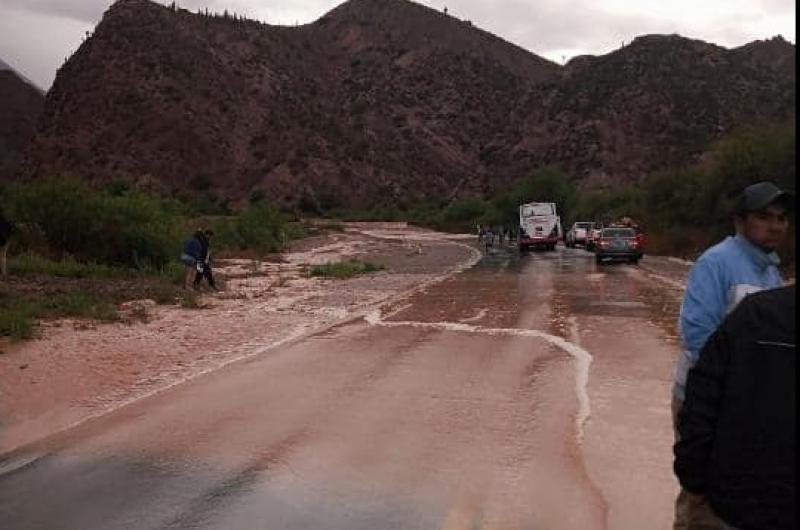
(760, 195)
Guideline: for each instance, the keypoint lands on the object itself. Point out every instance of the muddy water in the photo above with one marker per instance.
(525, 393)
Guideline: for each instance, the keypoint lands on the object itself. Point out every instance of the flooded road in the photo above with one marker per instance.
(525, 393)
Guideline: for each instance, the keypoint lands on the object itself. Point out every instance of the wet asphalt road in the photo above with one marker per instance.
(526, 393)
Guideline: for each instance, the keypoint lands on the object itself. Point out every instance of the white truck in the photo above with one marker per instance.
(539, 226)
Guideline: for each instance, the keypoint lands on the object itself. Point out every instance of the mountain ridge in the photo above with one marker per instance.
(384, 100)
(21, 104)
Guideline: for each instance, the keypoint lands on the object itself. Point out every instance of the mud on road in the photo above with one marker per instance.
(77, 370)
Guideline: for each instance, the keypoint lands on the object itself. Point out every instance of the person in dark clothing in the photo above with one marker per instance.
(737, 425)
(192, 257)
(6, 228)
(204, 264)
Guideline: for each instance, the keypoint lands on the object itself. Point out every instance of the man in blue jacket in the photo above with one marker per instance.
(720, 279)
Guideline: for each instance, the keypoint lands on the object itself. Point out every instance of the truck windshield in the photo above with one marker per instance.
(537, 209)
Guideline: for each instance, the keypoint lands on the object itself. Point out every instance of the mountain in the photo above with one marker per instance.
(21, 104)
(384, 100)
(657, 102)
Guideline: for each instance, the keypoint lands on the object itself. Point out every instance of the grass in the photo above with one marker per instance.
(19, 312)
(72, 289)
(32, 264)
(344, 269)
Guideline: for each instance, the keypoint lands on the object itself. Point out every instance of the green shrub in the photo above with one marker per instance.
(129, 229)
(18, 313)
(344, 269)
(29, 263)
(259, 227)
(79, 303)
(16, 318)
(465, 211)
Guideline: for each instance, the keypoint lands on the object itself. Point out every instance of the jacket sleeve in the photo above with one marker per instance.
(704, 305)
(697, 419)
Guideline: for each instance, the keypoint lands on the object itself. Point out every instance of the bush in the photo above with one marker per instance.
(259, 227)
(464, 212)
(547, 184)
(128, 228)
(18, 313)
(689, 209)
(344, 269)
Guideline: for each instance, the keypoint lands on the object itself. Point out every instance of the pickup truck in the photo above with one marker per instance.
(578, 234)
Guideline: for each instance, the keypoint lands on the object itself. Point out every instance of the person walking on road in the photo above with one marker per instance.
(737, 430)
(192, 257)
(488, 239)
(721, 277)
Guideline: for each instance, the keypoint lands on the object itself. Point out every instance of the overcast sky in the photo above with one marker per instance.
(37, 35)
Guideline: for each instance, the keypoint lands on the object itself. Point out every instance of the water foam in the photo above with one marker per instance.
(583, 359)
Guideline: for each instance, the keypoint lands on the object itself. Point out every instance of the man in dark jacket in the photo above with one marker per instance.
(204, 263)
(192, 257)
(737, 425)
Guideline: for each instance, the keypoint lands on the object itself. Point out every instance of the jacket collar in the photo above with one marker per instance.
(760, 258)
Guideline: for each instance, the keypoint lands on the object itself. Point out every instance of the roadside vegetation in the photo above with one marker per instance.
(79, 251)
(682, 210)
(343, 269)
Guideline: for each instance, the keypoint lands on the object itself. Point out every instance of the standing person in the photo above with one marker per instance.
(488, 238)
(737, 425)
(191, 257)
(204, 268)
(721, 277)
(6, 227)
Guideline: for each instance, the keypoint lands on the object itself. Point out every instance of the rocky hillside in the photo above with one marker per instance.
(384, 100)
(657, 102)
(21, 104)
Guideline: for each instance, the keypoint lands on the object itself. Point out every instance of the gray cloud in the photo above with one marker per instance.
(81, 10)
(553, 28)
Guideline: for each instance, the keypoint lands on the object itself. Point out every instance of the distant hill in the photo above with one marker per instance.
(384, 100)
(21, 104)
(657, 102)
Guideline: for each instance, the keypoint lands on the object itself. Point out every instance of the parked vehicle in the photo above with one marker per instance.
(618, 243)
(578, 234)
(539, 226)
(592, 235)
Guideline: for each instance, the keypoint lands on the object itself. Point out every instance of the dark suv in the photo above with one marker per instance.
(618, 243)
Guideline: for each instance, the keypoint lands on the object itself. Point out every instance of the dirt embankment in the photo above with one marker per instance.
(78, 370)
